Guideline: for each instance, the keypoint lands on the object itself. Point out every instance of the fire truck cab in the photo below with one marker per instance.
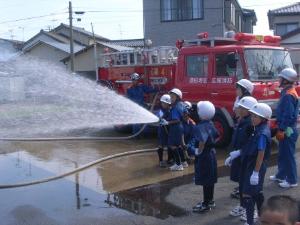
(206, 69)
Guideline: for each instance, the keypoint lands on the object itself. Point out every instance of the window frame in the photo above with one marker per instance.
(203, 56)
(181, 20)
(285, 24)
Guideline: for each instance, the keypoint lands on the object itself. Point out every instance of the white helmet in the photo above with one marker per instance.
(248, 85)
(166, 99)
(206, 110)
(177, 92)
(135, 76)
(188, 105)
(247, 102)
(289, 74)
(263, 110)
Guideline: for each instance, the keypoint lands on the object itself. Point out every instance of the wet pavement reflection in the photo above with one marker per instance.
(122, 186)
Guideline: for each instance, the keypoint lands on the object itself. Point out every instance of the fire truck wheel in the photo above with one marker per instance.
(224, 129)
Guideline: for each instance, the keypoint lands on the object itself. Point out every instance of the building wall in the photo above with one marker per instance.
(85, 62)
(166, 33)
(46, 52)
(286, 19)
(294, 43)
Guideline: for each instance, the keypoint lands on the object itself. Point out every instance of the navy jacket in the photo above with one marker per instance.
(137, 93)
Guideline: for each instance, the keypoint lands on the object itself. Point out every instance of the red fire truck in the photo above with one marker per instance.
(205, 69)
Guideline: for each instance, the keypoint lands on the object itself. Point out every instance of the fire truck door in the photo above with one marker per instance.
(227, 70)
(195, 75)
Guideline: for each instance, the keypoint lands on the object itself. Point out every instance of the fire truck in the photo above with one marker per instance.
(205, 69)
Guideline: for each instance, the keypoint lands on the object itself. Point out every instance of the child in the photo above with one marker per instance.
(162, 132)
(188, 126)
(280, 209)
(244, 88)
(254, 155)
(176, 130)
(239, 139)
(205, 135)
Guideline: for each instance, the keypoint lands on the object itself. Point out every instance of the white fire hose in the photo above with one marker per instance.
(81, 168)
(86, 166)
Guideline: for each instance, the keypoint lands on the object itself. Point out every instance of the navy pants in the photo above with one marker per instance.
(287, 168)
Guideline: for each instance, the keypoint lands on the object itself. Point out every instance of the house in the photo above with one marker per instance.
(169, 20)
(285, 22)
(9, 48)
(55, 46)
(49, 46)
(84, 60)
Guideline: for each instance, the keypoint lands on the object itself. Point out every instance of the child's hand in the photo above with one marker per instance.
(228, 161)
(254, 179)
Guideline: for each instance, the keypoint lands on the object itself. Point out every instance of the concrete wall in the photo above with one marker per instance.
(166, 33)
(84, 62)
(46, 52)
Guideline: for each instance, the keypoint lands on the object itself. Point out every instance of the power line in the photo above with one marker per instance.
(33, 17)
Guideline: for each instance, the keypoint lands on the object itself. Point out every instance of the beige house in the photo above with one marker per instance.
(55, 46)
(285, 22)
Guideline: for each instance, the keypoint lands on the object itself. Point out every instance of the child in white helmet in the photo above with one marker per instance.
(254, 156)
(162, 132)
(244, 88)
(205, 135)
(240, 137)
(176, 130)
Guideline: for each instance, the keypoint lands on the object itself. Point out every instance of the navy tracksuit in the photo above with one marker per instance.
(162, 133)
(206, 163)
(260, 140)
(176, 132)
(137, 94)
(239, 139)
(286, 116)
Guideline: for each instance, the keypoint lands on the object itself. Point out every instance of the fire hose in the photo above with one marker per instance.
(81, 168)
(86, 138)
(86, 166)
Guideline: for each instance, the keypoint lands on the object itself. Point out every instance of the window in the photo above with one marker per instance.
(177, 10)
(232, 10)
(284, 28)
(197, 66)
(228, 64)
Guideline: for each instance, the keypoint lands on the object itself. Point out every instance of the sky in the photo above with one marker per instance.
(114, 19)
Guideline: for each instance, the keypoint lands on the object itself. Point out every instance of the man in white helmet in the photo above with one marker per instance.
(286, 116)
(136, 93)
(138, 90)
(205, 135)
(254, 156)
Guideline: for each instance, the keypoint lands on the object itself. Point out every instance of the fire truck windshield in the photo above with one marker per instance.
(266, 64)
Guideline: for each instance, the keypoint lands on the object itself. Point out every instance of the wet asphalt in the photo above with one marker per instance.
(107, 193)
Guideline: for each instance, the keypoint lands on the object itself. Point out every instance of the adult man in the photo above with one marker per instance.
(286, 114)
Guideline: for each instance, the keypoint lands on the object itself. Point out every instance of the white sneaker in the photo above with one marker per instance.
(185, 164)
(237, 211)
(274, 178)
(286, 184)
(244, 216)
(176, 167)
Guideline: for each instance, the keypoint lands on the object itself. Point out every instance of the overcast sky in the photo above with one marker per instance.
(114, 19)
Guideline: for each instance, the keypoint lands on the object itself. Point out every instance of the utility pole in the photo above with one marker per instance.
(71, 36)
(95, 53)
